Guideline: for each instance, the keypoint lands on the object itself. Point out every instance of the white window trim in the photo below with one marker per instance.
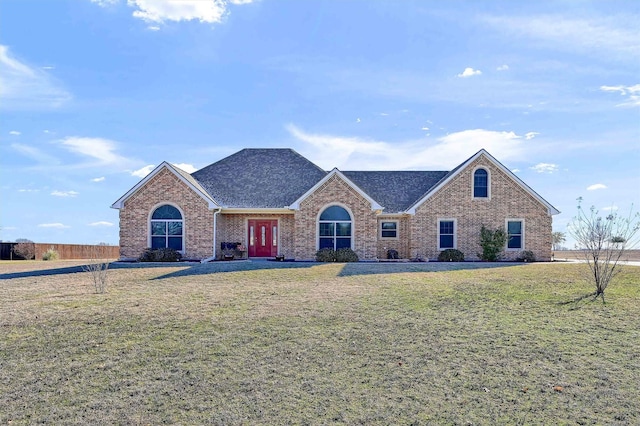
(473, 186)
(184, 223)
(522, 229)
(353, 223)
(455, 232)
(397, 237)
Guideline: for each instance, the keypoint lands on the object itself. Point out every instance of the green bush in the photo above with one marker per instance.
(451, 255)
(326, 255)
(526, 256)
(492, 243)
(50, 254)
(160, 255)
(346, 255)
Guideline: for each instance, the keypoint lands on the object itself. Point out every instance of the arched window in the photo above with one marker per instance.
(167, 228)
(334, 228)
(480, 184)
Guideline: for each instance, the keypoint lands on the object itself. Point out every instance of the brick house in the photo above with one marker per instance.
(273, 202)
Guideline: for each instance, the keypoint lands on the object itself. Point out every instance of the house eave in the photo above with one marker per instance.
(251, 210)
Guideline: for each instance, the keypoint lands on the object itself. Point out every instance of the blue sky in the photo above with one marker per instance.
(95, 93)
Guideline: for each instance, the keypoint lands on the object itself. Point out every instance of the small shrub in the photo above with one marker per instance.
(160, 255)
(346, 255)
(25, 249)
(451, 255)
(50, 254)
(492, 243)
(98, 268)
(326, 255)
(526, 256)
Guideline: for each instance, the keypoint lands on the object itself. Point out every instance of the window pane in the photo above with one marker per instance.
(326, 243)
(175, 243)
(514, 227)
(275, 236)
(446, 227)
(158, 228)
(174, 228)
(166, 212)
(480, 184)
(335, 213)
(389, 234)
(389, 225)
(446, 241)
(158, 242)
(326, 229)
(343, 229)
(515, 242)
(343, 243)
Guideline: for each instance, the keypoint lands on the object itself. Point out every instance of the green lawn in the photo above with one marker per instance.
(303, 343)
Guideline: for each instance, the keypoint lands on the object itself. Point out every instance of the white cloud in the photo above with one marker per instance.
(631, 92)
(101, 223)
(596, 186)
(368, 154)
(105, 3)
(28, 190)
(143, 171)
(504, 67)
(545, 168)
(15, 133)
(424, 128)
(153, 28)
(610, 208)
(98, 148)
(98, 179)
(612, 36)
(64, 193)
(25, 87)
(189, 168)
(35, 154)
(530, 135)
(159, 11)
(515, 170)
(53, 225)
(469, 72)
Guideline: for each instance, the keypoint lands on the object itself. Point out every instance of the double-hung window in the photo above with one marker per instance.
(515, 234)
(446, 234)
(389, 229)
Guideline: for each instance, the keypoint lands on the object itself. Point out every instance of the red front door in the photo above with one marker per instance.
(263, 238)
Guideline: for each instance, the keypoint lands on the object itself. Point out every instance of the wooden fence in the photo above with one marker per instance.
(65, 251)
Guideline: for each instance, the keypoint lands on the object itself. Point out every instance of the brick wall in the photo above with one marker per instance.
(454, 201)
(400, 244)
(335, 191)
(166, 187)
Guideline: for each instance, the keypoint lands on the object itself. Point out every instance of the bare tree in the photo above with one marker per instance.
(25, 249)
(98, 268)
(603, 241)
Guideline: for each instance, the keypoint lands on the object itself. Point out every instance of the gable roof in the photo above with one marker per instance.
(449, 176)
(259, 178)
(374, 204)
(181, 174)
(396, 191)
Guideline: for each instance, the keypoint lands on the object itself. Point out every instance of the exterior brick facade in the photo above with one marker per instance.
(455, 200)
(298, 226)
(165, 188)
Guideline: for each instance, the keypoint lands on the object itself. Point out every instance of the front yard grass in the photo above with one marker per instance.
(296, 343)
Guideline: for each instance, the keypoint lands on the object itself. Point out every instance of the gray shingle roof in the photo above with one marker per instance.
(396, 191)
(259, 178)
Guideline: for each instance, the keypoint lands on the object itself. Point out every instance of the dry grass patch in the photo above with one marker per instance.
(264, 343)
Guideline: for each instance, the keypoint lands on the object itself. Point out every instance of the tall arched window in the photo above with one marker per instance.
(480, 184)
(334, 228)
(167, 228)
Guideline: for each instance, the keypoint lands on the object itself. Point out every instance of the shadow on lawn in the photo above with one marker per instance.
(351, 269)
(190, 269)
